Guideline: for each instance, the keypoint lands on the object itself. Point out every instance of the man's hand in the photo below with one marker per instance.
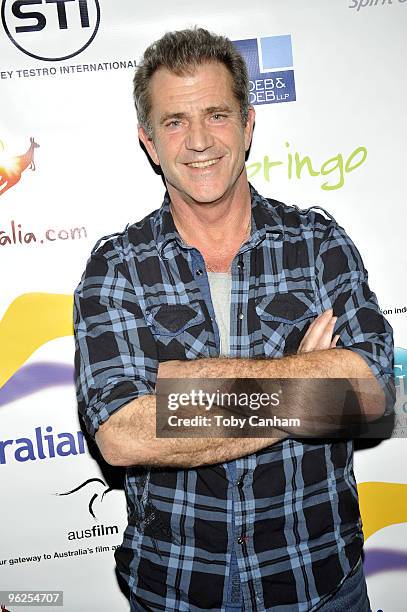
(319, 334)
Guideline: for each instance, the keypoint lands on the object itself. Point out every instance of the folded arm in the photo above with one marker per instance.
(129, 436)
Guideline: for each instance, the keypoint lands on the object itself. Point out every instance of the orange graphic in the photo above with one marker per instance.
(12, 166)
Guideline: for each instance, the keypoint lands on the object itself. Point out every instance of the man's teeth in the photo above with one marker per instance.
(204, 164)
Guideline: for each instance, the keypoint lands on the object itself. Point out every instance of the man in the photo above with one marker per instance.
(225, 523)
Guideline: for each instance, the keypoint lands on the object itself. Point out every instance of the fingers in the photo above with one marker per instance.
(319, 333)
(326, 337)
(334, 341)
(316, 331)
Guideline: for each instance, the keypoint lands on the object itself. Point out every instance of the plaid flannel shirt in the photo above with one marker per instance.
(144, 298)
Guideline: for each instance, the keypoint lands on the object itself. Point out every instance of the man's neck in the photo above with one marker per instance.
(216, 229)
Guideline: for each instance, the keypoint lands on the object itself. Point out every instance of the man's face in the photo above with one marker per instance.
(198, 137)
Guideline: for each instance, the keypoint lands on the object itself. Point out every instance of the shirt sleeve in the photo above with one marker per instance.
(115, 353)
(342, 282)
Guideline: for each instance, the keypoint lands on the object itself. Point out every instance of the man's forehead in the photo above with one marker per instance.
(208, 85)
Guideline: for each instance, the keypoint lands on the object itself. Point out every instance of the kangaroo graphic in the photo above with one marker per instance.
(13, 167)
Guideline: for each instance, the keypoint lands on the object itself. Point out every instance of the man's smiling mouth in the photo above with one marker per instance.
(204, 164)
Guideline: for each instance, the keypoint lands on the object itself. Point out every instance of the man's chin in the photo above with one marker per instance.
(202, 195)
(205, 197)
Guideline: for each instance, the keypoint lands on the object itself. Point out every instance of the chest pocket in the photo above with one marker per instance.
(179, 330)
(284, 319)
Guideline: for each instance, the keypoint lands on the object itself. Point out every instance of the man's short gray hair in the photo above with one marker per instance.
(181, 52)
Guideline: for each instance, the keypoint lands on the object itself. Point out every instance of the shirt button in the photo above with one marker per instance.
(199, 272)
(240, 540)
(240, 483)
(241, 315)
(240, 265)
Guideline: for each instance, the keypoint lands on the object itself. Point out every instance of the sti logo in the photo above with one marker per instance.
(269, 62)
(52, 30)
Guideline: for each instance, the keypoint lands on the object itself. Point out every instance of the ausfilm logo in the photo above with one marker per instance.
(51, 30)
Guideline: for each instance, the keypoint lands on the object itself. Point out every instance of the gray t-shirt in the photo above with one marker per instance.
(221, 285)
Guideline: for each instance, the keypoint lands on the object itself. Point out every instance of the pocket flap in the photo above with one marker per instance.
(172, 319)
(287, 307)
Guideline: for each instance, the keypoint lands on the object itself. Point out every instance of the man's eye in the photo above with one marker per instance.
(218, 116)
(174, 123)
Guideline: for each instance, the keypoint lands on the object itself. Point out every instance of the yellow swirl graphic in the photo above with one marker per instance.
(382, 504)
(30, 321)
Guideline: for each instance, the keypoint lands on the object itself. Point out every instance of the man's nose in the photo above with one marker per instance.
(199, 137)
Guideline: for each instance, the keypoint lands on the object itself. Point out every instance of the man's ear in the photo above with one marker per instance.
(248, 130)
(149, 144)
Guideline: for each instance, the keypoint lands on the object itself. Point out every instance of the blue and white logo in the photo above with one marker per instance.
(269, 61)
(400, 374)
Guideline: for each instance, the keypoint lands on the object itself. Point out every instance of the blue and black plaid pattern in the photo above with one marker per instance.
(294, 504)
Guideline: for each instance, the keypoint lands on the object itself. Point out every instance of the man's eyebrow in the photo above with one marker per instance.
(218, 109)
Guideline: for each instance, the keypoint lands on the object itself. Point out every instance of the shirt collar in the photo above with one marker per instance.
(265, 222)
(166, 231)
